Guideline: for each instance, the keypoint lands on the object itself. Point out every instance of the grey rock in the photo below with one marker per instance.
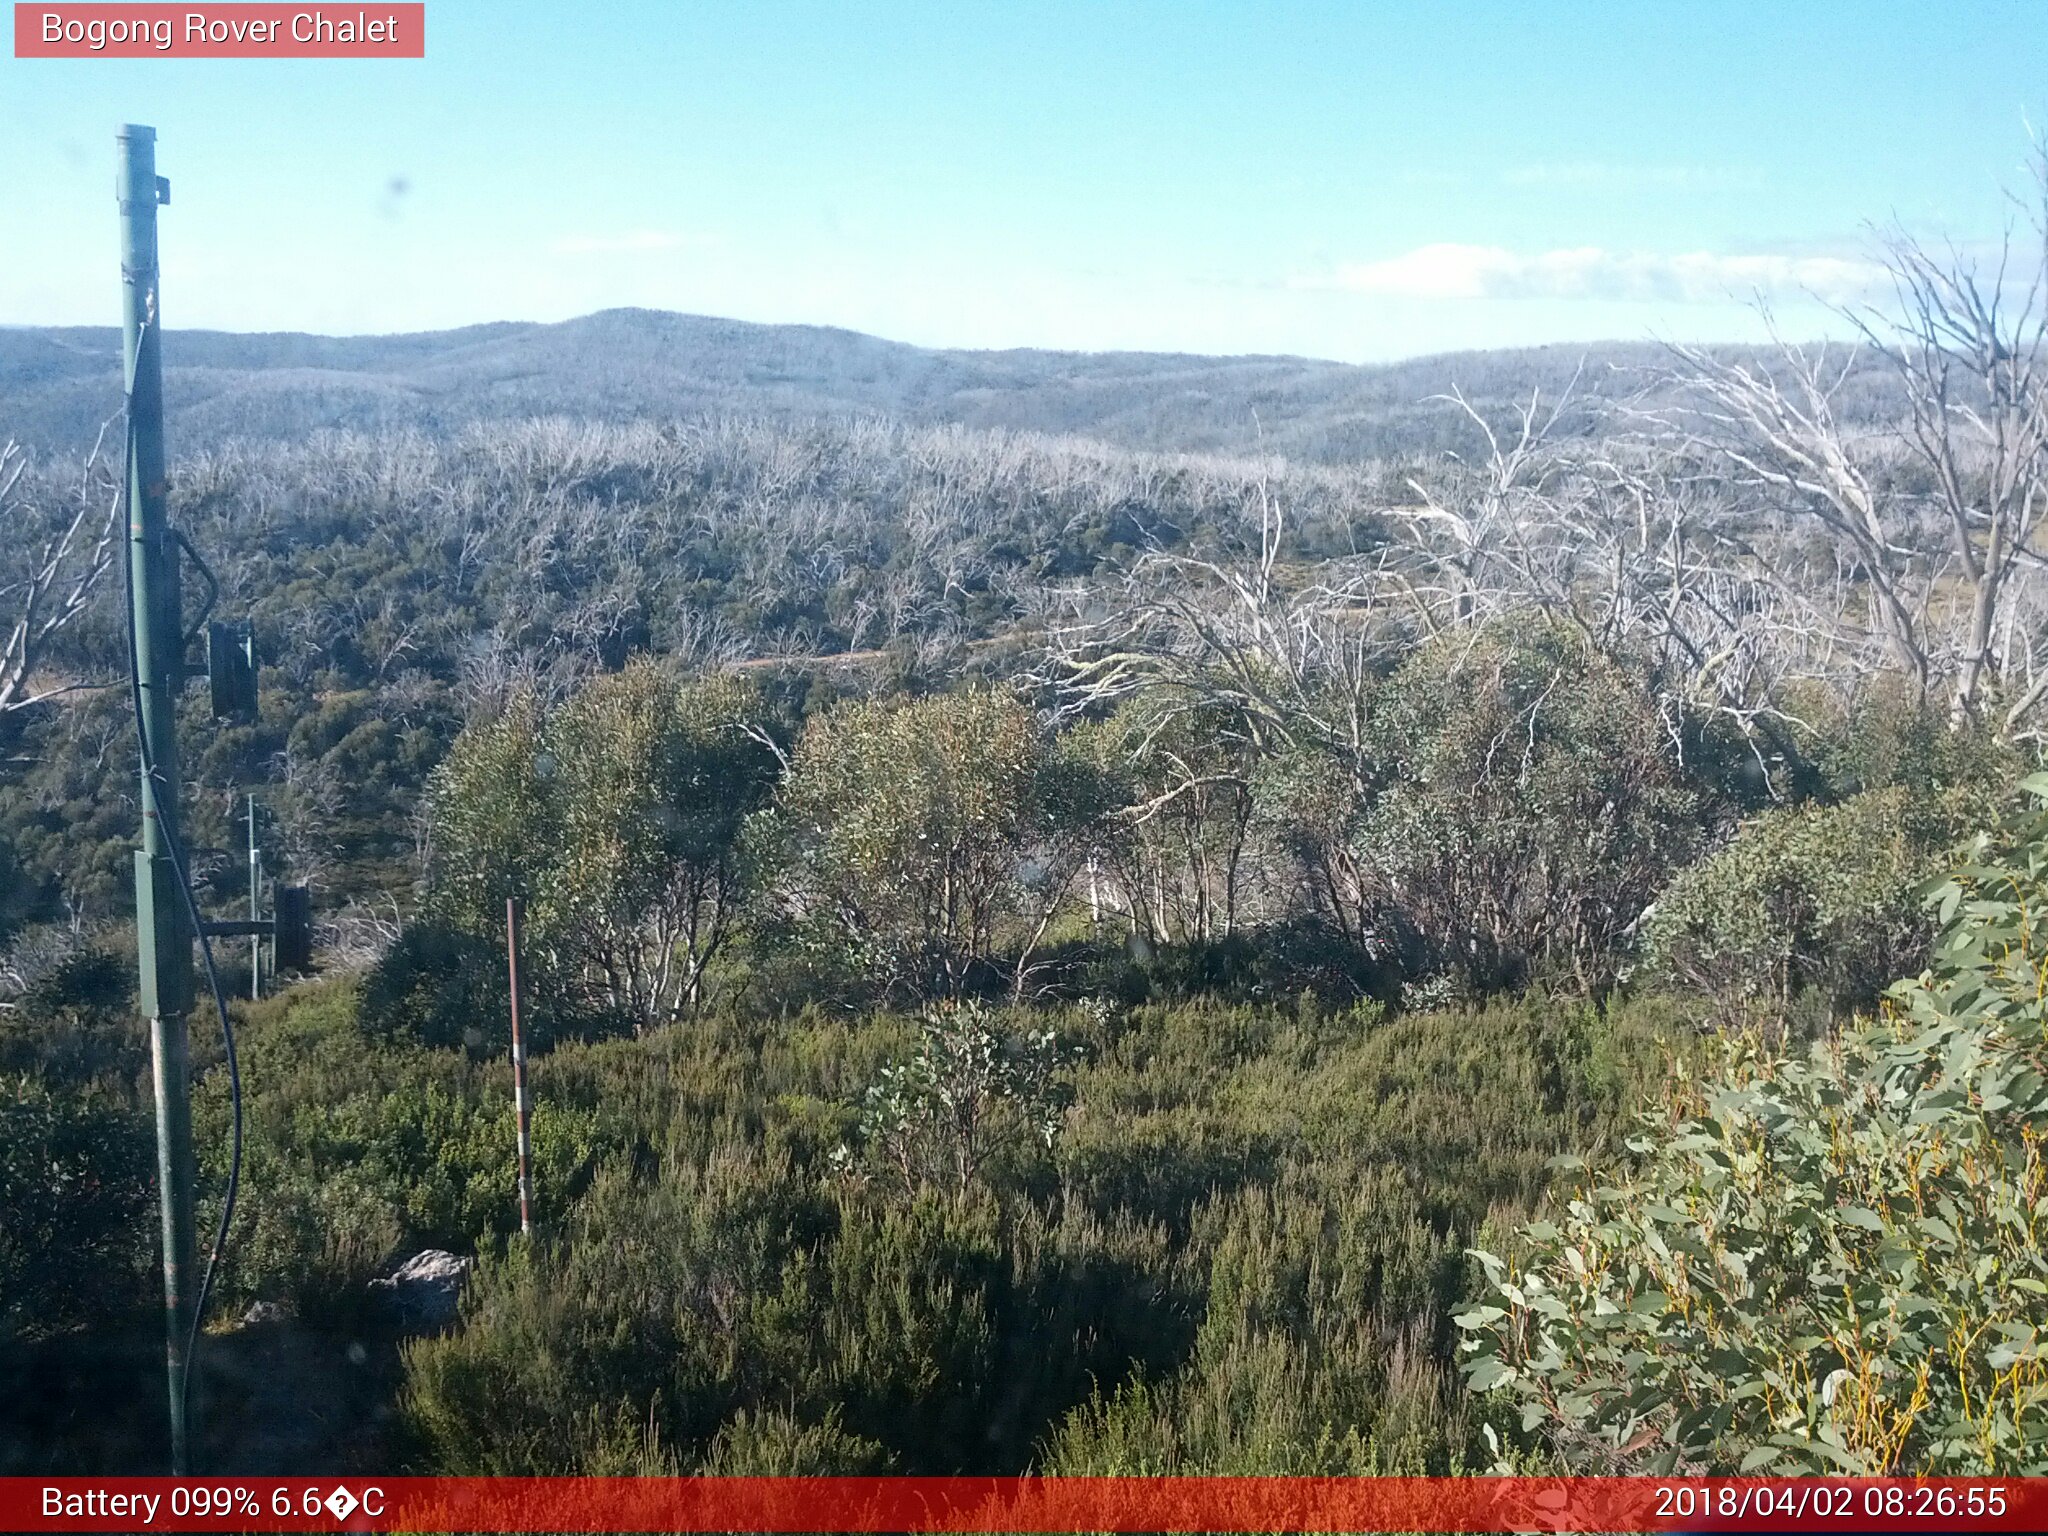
(425, 1291)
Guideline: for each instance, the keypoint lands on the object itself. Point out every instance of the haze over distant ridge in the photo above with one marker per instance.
(57, 384)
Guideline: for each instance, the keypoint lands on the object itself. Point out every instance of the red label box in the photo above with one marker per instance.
(956, 1506)
(372, 30)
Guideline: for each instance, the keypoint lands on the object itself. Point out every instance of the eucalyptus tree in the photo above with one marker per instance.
(924, 838)
(1823, 1260)
(1173, 854)
(618, 817)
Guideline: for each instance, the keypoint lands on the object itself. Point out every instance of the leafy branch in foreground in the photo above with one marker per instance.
(1824, 1263)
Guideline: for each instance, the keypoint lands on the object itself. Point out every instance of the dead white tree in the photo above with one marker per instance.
(1639, 541)
(1935, 512)
(1283, 651)
(1776, 440)
(70, 555)
(1966, 345)
(1494, 533)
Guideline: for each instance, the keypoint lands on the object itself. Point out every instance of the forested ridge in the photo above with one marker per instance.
(630, 365)
(1192, 947)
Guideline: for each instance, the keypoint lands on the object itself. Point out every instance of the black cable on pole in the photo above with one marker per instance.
(166, 828)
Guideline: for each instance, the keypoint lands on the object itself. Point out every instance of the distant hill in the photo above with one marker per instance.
(58, 384)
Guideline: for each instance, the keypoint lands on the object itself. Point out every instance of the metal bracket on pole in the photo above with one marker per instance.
(240, 928)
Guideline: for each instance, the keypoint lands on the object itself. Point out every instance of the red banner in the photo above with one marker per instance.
(1052, 1504)
(240, 31)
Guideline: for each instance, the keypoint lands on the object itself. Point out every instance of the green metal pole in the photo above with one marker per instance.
(255, 908)
(163, 934)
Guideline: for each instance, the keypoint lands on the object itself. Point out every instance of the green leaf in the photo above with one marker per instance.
(1486, 1373)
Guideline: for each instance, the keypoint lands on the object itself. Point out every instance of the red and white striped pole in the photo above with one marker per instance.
(520, 1106)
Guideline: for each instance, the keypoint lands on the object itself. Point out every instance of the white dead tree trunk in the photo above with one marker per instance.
(1497, 535)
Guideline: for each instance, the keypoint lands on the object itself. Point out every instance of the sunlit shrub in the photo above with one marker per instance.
(971, 1100)
(1818, 897)
(1530, 805)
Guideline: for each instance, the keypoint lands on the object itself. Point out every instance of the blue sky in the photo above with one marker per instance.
(1348, 180)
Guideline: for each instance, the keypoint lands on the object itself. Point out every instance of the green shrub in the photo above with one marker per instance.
(311, 1243)
(770, 1443)
(1254, 1236)
(76, 1189)
(1320, 1306)
(1280, 959)
(1818, 897)
(1529, 805)
(632, 1314)
(1888, 736)
(67, 1016)
(715, 1290)
(971, 1103)
(438, 986)
(359, 1151)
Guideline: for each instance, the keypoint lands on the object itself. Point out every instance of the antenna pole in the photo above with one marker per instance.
(163, 935)
(255, 908)
(521, 1108)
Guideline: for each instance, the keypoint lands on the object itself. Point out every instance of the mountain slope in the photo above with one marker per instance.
(58, 384)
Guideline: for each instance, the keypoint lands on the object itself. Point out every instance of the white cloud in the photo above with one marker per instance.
(628, 244)
(1449, 271)
(1607, 176)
